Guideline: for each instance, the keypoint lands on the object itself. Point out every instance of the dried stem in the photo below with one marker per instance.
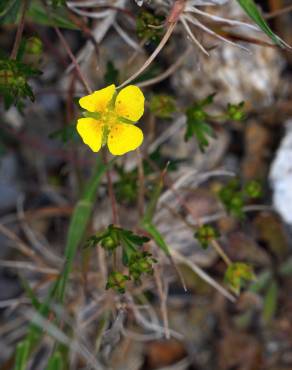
(74, 61)
(214, 243)
(279, 12)
(168, 72)
(141, 183)
(187, 261)
(152, 56)
(115, 216)
(19, 31)
(163, 300)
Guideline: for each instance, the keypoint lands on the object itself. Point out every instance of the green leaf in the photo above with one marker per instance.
(14, 77)
(53, 17)
(270, 302)
(9, 11)
(55, 362)
(79, 222)
(21, 355)
(252, 11)
(30, 293)
(197, 124)
(156, 235)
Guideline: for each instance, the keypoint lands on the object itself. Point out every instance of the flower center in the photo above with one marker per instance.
(109, 119)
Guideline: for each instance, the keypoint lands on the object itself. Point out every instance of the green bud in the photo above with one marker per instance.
(205, 234)
(7, 77)
(235, 111)
(236, 201)
(145, 29)
(253, 189)
(117, 281)
(162, 106)
(34, 46)
(141, 263)
(109, 243)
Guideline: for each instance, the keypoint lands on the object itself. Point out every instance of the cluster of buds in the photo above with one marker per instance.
(137, 262)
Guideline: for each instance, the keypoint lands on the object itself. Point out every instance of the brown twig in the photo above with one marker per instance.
(279, 12)
(19, 31)
(214, 243)
(141, 183)
(115, 216)
(74, 61)
(163, 302)
(20, 245)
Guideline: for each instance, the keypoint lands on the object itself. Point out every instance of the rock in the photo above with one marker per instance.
(257, 143)
(10, 189)
(281, 176)
(238, 75)
(270, 231)
(164, 353)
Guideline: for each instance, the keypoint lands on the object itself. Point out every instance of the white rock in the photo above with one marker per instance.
(281, 176)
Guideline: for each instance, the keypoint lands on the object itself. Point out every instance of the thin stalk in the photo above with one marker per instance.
(152, 56)
(115, 216)
(19, 31)
(74, 61)
(214, 243)
(141, 181)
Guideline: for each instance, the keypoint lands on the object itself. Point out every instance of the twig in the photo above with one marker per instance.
(19, 32)
(168, 72)
(152, 56)
(278, 12)
(73, 59)
(214, 243)
(29, 266)
(163, 300)
(186, 260)
(20, 245)
(141, 180)
(115, 216)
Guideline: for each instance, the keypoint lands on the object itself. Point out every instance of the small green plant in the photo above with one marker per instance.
(237, 275)
(162, 105)
(14, 86)
(199, 120)
(148, 26)
(136, 261)
(205, 234)
(234, 196)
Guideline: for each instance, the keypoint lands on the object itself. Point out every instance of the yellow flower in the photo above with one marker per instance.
(110, 119)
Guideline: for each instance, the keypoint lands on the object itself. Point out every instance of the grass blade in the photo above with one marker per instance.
(21, 355)
(79, 222)
(55, 362)
(157, 237)
(271, 301)
(252, 11)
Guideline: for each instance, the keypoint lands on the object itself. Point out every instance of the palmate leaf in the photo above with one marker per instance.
(197, 124)
(252, 11)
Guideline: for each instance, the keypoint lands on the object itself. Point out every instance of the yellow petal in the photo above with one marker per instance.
(91, 132)
(123, 138)
(98, 101)
(130, 103)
